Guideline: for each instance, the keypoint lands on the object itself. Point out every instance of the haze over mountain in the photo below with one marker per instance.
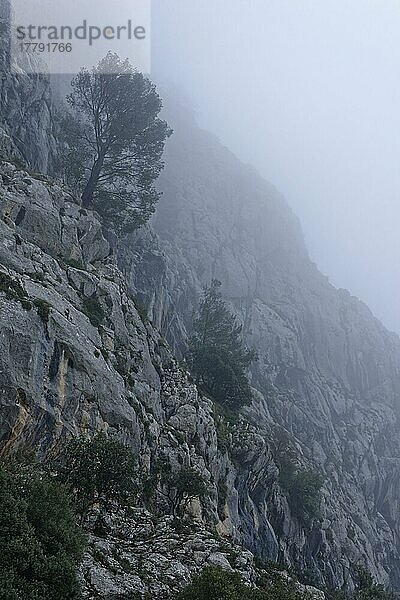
(168, 452)
(308, 92)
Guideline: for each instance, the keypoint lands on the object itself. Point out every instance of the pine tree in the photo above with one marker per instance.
(218, 356)
(113, 141)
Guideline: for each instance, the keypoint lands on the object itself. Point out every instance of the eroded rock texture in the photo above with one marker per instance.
(25, 105)
(328, 371)
(77, 354)
(77, 357)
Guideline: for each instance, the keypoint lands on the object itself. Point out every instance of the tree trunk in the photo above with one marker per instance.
(88, 192)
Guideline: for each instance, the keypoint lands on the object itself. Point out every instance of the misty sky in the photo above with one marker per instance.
(309, 92)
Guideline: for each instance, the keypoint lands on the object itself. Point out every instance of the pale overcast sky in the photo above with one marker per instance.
(309, 92)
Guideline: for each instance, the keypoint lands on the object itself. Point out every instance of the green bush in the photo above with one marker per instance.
(281, 588)
(304, 495)
(75, 264)
(367, 589)
(100, 470)
(41, 544)
(302, 488)
(43, 309)
(181, 486)
(93, 310)
(216, 584)
(188, 484)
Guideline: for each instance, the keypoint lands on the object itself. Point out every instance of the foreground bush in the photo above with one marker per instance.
(41, 544)
(98, 471)
(217, 584)
(367, 589)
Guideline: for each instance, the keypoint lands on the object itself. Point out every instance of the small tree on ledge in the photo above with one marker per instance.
(98, 471)
(188, 485)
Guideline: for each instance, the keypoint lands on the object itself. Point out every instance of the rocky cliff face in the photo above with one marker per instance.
(78, 355)
(328, 372)
(25, 105)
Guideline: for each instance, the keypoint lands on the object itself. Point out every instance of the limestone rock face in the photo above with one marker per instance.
(25, 105)
(154, 556)
(328, 371)
(77, 356)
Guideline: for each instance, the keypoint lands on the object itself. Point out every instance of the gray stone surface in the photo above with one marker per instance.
(328, 371)
(25, 105)
(148, 555)
(64, 375)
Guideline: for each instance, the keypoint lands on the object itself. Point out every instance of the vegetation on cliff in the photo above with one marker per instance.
(217, 354)
(41, 543)
(113, 141)
(99, 471)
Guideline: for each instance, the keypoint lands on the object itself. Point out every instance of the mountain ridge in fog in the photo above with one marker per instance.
(308, 92)
(328, 370)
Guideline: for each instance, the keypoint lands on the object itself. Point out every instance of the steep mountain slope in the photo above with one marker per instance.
(328, 371)
(77, 357)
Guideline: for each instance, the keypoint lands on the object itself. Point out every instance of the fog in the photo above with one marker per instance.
(309, 93)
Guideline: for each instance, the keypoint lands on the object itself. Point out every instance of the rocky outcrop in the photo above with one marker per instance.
(25, 105)
(155, 557)
(152, 557)
(78, 356)
(328, 372)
